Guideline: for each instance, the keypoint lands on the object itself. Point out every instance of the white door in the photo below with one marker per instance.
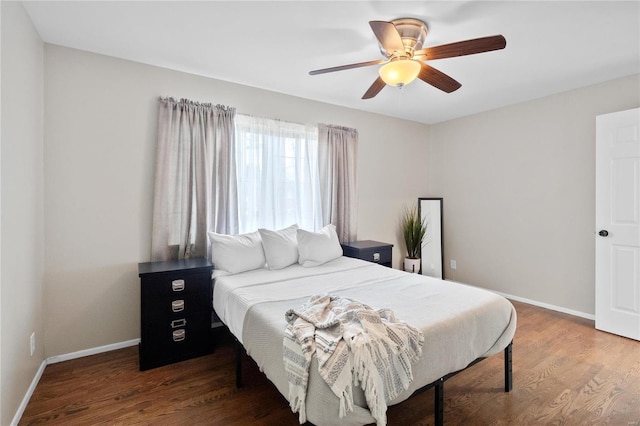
(618, 223)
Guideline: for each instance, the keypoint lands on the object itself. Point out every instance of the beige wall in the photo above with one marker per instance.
(22, 212)
(100, 126)
(518, 186)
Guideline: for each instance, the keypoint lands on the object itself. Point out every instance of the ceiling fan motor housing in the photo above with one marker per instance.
(413, 33)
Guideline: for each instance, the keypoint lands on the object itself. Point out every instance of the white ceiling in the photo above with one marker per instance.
(551, 46)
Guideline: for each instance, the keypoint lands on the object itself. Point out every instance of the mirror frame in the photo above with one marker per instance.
(432, 250)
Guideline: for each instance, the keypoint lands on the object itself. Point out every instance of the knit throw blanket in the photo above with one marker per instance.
(354, 345)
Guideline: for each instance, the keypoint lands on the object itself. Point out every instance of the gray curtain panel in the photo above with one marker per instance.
(195, 185)
(337, 153)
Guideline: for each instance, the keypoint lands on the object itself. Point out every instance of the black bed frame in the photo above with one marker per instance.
(438, 384)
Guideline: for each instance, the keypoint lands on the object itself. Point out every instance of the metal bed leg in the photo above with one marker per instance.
(508, 370)
(439, 402)
(239, 349)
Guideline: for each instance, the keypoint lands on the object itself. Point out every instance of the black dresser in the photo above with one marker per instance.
(372, 251)
(176, 307)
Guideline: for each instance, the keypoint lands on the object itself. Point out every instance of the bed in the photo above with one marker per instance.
(461, 324)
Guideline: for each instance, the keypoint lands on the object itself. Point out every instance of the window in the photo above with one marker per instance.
(277, 174)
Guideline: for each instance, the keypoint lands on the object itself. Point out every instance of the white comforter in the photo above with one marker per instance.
(233, 295)
(460, 323)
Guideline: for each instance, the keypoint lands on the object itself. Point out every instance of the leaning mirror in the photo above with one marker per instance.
(432, 260)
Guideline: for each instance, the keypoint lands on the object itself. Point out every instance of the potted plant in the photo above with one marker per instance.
(413, 231)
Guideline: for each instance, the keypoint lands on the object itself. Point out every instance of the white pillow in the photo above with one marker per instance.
(317, 248)
(236, 253)
(280, 247)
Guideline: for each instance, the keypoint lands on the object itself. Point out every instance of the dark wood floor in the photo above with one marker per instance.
(565, 373)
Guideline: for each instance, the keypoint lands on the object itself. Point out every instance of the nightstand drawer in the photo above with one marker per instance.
(175, 340)
(179, 305)
(371, 251)
(381, 255)
(174, 284)
(178, 332)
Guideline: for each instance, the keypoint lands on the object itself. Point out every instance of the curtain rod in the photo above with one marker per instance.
(210, 104)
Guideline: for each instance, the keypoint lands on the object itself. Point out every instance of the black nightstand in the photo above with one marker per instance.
(175, 316)
(372, 251)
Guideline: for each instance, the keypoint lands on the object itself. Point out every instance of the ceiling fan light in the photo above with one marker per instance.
(399, 73)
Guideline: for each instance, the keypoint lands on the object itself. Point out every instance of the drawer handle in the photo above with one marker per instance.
(178, 323)
(177, 305)
(177, 285)
(179, 335)
(376, 257)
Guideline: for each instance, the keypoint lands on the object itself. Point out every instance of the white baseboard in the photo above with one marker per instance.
(27, 397)
(535, 302)
(60, 358)
(547, 306)
(86, 352)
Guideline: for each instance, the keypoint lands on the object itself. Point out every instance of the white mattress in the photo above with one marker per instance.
(460, 323)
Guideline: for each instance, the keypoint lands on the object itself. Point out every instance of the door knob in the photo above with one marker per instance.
(603, 233)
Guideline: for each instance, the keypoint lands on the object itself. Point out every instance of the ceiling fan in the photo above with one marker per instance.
(401, 45)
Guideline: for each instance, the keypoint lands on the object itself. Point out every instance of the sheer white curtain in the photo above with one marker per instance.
(337, 154)
(195, 186)
(277, 169)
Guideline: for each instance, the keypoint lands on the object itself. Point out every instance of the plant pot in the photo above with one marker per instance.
(412, 265)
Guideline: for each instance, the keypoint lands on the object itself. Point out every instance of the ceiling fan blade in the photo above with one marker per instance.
(462, 48)
(375, 88)
(388, 36)
(347, 67)
(437, 79)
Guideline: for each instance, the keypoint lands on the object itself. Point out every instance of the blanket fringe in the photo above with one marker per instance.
(298, 406)
(346, 401)
(370, 381)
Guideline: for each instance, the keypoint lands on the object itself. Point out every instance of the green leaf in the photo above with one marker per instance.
(413, 231)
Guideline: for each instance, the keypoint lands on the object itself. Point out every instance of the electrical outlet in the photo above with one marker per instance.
(32, 341)
(453, 264)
